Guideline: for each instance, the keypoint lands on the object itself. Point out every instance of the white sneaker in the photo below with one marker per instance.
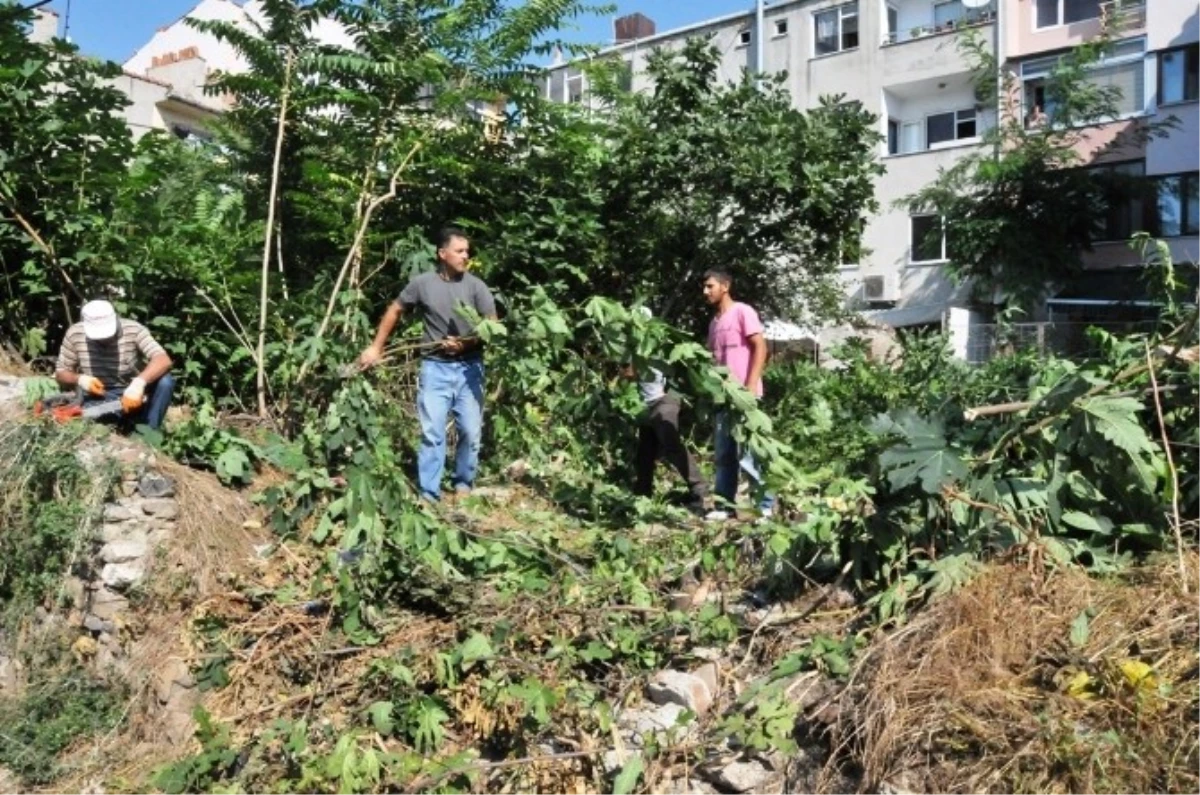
(765, 516)
(718, 515)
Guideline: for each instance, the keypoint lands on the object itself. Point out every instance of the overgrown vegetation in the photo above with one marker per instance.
(65, 706)
(48, 501)
(382, 645)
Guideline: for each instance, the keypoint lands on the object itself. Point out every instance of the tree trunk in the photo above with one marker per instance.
(266, 257)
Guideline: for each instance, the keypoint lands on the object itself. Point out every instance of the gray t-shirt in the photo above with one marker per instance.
(438, 300)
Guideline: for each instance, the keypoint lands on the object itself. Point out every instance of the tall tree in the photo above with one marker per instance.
(63, 148)
(1020, 212)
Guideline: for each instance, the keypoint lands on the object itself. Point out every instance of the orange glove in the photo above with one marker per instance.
(91, 385)
(134, 397)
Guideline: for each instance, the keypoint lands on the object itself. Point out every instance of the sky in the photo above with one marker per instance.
(114, 29)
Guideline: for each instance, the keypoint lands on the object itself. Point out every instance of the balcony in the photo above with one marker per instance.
(1123, 15)
(910, 20)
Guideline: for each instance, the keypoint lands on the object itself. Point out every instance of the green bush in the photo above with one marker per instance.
(49, 716)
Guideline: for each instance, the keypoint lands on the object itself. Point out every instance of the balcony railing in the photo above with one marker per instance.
(1123, 14)
(935, 28)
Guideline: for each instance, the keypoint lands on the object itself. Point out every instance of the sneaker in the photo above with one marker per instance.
(765, 516)
(719, 515)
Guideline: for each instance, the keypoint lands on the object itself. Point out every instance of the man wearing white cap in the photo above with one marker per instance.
(110, 358)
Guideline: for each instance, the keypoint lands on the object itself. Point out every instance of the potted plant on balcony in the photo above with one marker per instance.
(915, 33)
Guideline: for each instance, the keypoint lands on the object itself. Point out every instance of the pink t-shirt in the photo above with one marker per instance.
(729, 340)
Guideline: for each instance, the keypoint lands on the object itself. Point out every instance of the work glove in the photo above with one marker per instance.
(91, 385)
(134, 396)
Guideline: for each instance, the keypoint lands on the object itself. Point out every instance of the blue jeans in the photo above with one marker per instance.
(153, 410)
(445, 388)
(729, 461)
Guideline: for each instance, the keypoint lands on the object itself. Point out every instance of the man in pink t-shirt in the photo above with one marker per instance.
(735, 337)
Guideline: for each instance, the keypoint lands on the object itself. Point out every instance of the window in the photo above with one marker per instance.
(625, 76)
(1123, 192)
(744, 37)
(953, 126)
(556, 84)
(1123, 68)
(574, 85)
(928, 240)
(893, 23)
(947, 13)
(781, 27)
(893, 137)
(836, 29)
(1177, 75)
(1063, 12)
(1177, 205)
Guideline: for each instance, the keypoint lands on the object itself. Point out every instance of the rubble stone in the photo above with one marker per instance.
(114, 512)
(661, 722)
(94, 623)
(745, 776)
(123, 551)
(120, 576)
(710, 675)
(154, 486)
(106, 604)
(684, 689)
(165, 508)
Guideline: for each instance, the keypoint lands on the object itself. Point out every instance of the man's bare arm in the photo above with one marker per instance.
(374, 352)
(156, 368)
(758, 361)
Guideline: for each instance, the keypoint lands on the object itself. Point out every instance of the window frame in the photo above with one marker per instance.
(745, 37)
(1061, 16)
(1188, 50)
(955, 122)
(1040, 69)
(1137, 217)
(780, 28)
(840, 35)
(912, 243)
(1185, 198)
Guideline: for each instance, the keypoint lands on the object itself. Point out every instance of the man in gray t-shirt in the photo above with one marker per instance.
(451, 379)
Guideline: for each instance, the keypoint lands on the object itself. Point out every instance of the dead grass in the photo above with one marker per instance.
(975, 695)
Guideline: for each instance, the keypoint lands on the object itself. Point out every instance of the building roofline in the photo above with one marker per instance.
(686, 29)
(146, 78)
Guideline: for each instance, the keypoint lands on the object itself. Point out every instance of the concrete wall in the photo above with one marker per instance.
(45, 26)
(1022, 39)
(178, 35)
(220, 56)
(1172, 23)
(144, 95)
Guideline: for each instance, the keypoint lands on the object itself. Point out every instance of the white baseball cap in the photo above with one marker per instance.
(645, 311)
(99, 320)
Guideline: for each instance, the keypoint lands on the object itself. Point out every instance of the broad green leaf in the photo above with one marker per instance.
(627, 779)
(1080, 629)
(381, 717)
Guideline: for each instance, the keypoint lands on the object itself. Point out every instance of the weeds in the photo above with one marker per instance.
(65, 705)
(48, 500)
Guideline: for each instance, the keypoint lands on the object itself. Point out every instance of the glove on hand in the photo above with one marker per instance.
(134, 397)
(91, 385)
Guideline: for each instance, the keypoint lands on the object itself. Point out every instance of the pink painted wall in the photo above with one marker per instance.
(1022, 39)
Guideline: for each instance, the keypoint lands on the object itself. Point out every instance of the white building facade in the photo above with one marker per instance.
(165, 79)
(901, 60)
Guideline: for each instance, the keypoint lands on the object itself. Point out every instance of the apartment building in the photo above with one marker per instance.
(1155, 62)
(901, 60)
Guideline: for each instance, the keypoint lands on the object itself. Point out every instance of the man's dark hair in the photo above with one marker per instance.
(447, 233)
(724, 277)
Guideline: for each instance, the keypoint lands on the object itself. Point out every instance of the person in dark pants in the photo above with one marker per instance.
(111, 358)
(659, 437)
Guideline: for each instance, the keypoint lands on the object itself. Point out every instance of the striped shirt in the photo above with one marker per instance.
(115, 362)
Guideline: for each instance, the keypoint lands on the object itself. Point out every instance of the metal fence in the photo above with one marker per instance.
(988, 340)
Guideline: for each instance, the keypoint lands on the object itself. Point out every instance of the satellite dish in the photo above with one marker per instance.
(973, 4)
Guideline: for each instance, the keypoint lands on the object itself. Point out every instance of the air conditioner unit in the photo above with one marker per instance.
(876, 288)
